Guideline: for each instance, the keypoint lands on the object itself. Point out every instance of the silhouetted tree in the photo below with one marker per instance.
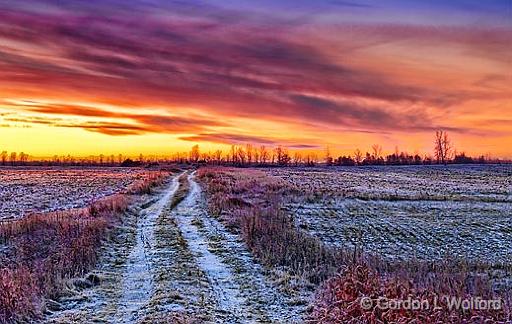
(23, 158)
(241, 155)
(463, 159)
(346, 161)
(297, 158)
(194, 154)
(13, 158)
(358, 156)
(264, 155)
(3, 156)
(249, 152)
(217, 156)
(443, 147)
(233, 154)
(377, 151)
(328, 157)
(281, 156)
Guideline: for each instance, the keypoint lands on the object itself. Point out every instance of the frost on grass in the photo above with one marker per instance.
(138, 285)
(423, 212)
(238, 286)
(178, 264)
(100, 295)
(389, 232)
(28, 190)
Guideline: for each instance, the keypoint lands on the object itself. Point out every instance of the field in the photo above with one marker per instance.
(425, 213)
(28, 190)
(245, 245)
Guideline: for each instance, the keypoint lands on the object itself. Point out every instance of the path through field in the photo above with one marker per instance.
(239, 287)
(138, 280)
(168, 264)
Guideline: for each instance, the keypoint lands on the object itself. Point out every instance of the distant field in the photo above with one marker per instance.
(425, 212)
(27, 190)
(240, 245)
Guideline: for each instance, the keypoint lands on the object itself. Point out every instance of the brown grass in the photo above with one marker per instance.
(42, 251)
(183, 189)
(251, 203)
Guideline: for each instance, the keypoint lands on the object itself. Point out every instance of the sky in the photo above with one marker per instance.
(156, 77)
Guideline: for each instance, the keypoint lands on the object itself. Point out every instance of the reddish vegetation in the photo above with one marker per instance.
(144, 186)
(43, 250)
(341, 299)
(250, 203)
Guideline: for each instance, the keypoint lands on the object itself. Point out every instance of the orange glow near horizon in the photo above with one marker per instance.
(159, 85)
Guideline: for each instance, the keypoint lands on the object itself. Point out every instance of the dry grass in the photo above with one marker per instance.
(42, 251)
(341, 298)
(183, 189)
(251, 203)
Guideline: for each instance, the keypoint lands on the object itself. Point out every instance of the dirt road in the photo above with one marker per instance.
(167, 264)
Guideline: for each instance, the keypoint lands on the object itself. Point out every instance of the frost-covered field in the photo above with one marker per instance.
(425, 212)
(27, 190)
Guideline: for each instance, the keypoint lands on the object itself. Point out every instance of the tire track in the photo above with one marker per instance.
(138, 281)
(241, 291)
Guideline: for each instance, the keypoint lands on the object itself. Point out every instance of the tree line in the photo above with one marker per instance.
(250, 155)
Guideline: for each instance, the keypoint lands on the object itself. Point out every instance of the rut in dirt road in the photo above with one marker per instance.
(138, 281)
(126, 269)
(240, 289)
(173, 262)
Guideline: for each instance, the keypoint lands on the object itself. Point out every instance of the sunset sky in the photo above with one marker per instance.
(155, 76)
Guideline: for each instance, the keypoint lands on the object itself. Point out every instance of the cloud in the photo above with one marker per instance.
(33, 120)
(356, 115)
(225, 62)
(112, 129)
(224, 138)
(138, 123)
(228, 139)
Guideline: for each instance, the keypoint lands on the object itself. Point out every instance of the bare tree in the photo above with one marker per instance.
(442, 147)
(314, 158)
(3, 156)
(241, 154)
(297, 158)
(328, 157)
(358, 156)
(194, 153)
(23, 158)
(256, 156)
(281, 154)
(233, 154)
(13, 158)
(249, 152)
(217, 156)
(377, 151)
(263, 154)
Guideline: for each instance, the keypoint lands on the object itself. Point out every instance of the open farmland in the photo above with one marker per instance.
(284, 245)
(424, 233)
(27, 190)
(423, 212)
